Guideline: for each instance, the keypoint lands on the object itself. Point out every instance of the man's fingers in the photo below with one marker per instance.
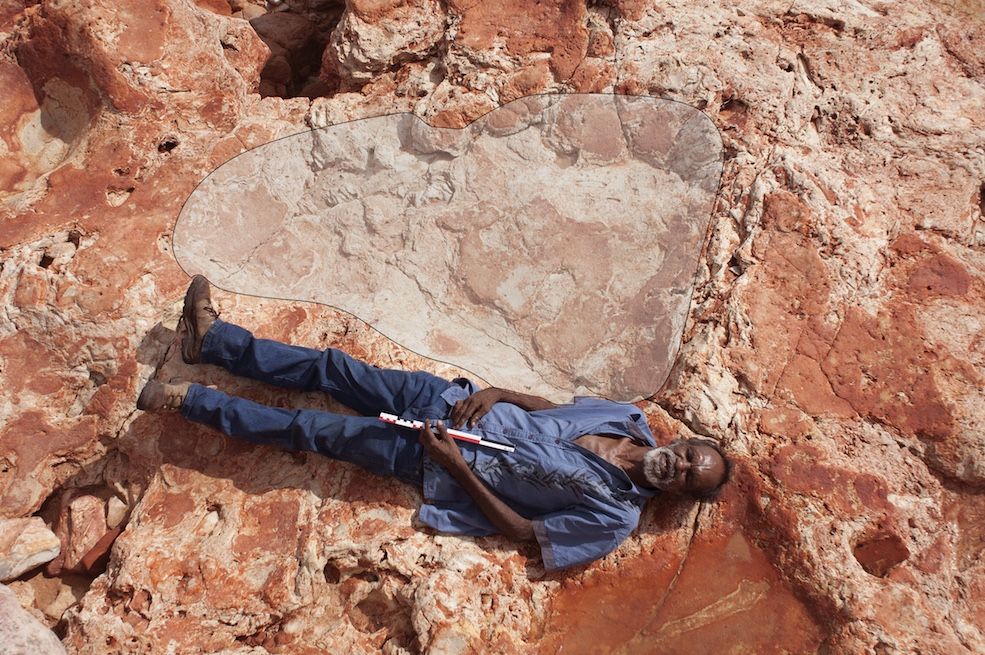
(476, 414)
(461, 412)
(464, 412)
(456, 413)
(426, 436)
(470, 410)
(473, 408)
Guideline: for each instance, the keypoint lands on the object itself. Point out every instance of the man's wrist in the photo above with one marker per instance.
(460, 465)
(525, 401)
(459, 469)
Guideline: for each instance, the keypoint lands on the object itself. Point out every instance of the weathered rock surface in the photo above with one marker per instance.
(373, 37)
(87, 521)
(549, 247)
(24, 544)
(833, 343)
(21, 633)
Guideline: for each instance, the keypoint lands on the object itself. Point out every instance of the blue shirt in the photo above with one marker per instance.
(581, 506)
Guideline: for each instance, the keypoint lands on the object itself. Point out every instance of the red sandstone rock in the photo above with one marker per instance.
(835, 340)
(373, 36)
(879, 553)
(555, 28)
(85, 525)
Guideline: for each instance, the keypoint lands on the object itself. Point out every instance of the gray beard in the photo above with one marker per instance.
(658, 466)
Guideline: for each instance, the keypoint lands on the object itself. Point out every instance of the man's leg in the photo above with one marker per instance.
(365, 388)
(380, 448)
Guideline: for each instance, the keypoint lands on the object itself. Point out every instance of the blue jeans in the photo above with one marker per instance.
(364, 440)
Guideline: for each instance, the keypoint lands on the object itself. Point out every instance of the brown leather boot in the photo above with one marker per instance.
(158, 395)
(198, 315)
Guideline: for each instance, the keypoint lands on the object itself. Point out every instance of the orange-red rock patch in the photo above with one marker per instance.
(728, 598)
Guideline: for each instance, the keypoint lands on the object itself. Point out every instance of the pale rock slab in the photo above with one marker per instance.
(25, 544)
(21, 633)
(548, 247)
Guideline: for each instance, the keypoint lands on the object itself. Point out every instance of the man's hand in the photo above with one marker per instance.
(475, 406)
(441, 447)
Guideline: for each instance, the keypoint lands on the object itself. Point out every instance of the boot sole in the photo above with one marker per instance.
(145, 400)
(188, 316)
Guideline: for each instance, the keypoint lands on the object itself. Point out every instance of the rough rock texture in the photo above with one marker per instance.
(834, 342)
(87, 521)
(21, 633)
(24, 544)
(550, 247)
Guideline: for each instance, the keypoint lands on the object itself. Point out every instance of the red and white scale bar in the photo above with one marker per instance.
(461, 436)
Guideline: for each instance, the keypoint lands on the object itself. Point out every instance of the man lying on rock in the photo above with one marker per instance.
(576, 480)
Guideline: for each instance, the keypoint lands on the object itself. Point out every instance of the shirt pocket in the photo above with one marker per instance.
(530, 489)
(534, 499)
(469, 452)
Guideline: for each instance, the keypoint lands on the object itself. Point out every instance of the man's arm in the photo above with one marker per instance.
(478, 404)
(443, 449)
(526, 401)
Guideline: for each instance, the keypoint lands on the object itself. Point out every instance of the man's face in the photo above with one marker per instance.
(684, 466)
